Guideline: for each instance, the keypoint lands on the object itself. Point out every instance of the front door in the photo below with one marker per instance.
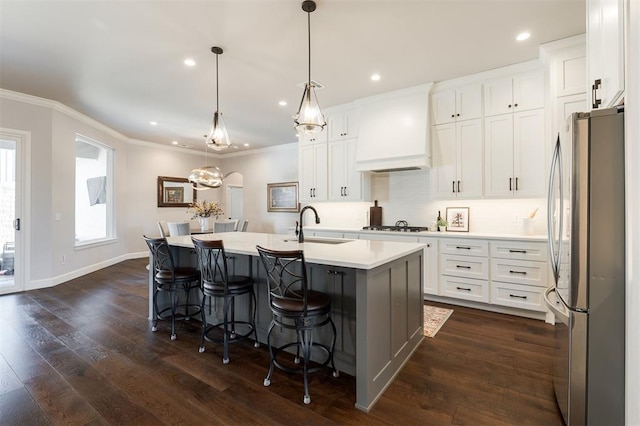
(12, 146)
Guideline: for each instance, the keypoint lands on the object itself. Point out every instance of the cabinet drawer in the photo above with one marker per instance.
(464, 247)
(464, 266)
(518, 296)
(519, 250)
(519, 272)
(464, 288)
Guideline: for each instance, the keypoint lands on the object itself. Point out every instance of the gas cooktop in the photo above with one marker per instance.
(396, 228)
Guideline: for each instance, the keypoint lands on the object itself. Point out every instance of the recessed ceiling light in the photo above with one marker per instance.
(282, 103)
(375, 77)
(246, 144)
(523, 36)
(190, 62)
(174, 142)
(153, 123)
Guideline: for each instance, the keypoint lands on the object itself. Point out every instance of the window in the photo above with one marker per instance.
(94, 192)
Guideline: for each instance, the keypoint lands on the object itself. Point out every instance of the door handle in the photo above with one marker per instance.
(594, 100)
(16, 224)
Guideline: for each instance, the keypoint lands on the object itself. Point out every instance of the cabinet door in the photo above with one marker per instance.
(314, 137)
(313, 172)
(529, 154)
(443, 107)
(354, 185)
(342, 125)
(498, 159)
(443, 172)
(498, 96)
(470, 152)
(469, 102)
(605, 47)
(430, 266)
(337, 172)
(528, 91)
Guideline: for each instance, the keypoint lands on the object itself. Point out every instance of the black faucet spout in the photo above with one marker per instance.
(305, 208)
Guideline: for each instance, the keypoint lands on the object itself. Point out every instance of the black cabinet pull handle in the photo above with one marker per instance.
(458, 115)
(594, 100)
(453, 186)
(518, 297)
(518, 272)
(310, 192)
(463, 267)
(515, 105)
(517, 251)
(452, 115)
(516, 184)
(509, 105)
(345, 191)
(463, 248)
(458, 186)
(462, 288)
(509, 184)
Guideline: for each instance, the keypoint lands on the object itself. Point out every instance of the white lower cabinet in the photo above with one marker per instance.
(464, 269)
(519, 274)
(498, 272)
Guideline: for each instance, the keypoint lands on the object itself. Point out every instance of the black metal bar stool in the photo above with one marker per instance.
(217, 283)
(295, 307)
(173, 281)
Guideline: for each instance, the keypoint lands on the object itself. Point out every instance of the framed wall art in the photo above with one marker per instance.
(283, 197)
(458, 219)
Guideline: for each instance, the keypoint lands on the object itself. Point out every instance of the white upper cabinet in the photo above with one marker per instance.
(605, 51)
(342, 123)
(345, 183)
(312, 172)
(515, 155)
(463, 103)
(457, 160)
(512, 94)
(314, 137)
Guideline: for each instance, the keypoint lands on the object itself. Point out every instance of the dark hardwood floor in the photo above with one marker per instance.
(83, 353)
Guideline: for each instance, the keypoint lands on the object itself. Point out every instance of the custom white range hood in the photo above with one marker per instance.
(394, 131)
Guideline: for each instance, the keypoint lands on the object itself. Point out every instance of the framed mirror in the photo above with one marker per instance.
(175, 192)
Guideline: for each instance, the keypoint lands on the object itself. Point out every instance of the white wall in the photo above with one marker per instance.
(259, 167)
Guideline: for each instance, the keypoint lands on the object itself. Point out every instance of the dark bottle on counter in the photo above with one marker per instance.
(438, 220)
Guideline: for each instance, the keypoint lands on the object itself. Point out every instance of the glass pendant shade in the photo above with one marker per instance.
(218, 138)
(309, 118)
(207, 176)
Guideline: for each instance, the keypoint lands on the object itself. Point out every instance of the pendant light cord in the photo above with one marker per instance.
(217, 86)
(309, 44)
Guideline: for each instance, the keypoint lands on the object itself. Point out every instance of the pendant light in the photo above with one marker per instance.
(206, 177)
(309, 118)
(218, 138)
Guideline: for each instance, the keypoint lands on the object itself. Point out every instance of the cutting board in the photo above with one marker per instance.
(375, 215)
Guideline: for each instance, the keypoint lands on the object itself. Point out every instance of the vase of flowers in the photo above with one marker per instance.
(203, 210)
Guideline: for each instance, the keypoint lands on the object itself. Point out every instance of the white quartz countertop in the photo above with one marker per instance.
(444, 234)
(359, 254)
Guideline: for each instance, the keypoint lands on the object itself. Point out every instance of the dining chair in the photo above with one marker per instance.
(179, 228)
(223, 226)
(164, 230)
(245, 224)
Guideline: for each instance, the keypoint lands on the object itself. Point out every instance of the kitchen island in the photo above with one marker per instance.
(376, 287)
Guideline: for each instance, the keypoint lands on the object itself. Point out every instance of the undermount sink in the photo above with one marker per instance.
(318, 240)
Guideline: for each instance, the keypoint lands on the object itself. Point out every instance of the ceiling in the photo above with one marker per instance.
(121, 62)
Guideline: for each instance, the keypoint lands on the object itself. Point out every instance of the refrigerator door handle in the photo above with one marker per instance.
(555, 162)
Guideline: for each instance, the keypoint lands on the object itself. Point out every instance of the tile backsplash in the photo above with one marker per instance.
(406, 196)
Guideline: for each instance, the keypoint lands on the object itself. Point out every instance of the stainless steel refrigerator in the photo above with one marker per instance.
(586, 222)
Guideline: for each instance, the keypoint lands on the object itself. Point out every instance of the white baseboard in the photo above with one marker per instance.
(53, 281)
